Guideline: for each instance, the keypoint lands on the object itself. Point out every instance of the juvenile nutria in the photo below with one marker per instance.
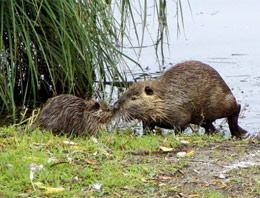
(73, 115)
(189, 92)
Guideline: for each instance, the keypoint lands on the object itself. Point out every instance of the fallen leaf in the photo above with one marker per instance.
(32, 158)
(38, 144)
(166, 149)
(218, 181)
(190, 153)
(184, 142)
(143, 180)
(196, 171)
(49, 142)
(238, 196)
(39, 185)
(205, 185)
(162, 184)
(92, 162)
(69, 143)
(80, 148)
(10, 165)
(165, 177)
(193, 195)
(50, 190)
(26, 188)
(188, 195)
(155, 180)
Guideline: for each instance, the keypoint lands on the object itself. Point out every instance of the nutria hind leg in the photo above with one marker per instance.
(209, 127)
(236, 130)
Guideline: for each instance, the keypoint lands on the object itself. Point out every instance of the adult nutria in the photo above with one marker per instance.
(73, 115)
(190, 92)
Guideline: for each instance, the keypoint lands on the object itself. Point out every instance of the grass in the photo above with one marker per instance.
(74, 167)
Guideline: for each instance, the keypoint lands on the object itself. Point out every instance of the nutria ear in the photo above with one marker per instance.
(148, 90)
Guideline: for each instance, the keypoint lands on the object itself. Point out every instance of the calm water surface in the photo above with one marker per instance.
(224, 34)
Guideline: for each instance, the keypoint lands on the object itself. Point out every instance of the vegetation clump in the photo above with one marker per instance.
(53, 47)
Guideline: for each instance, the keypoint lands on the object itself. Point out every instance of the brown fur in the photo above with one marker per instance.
(189, 92)
(73, 115)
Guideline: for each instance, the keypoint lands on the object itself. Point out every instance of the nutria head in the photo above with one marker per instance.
(100, 111)
(143, 101)
(97, 115)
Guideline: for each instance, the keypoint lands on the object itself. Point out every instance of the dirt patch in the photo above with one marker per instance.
(231, 169)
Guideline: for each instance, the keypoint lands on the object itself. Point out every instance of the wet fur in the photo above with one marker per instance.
(189, 92)
(73, 115)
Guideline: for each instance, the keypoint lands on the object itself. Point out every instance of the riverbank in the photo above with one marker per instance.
(38, 164)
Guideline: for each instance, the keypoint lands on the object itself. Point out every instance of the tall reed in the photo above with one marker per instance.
(137, 22)
(50, 47)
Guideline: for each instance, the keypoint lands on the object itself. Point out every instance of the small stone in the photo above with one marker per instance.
(181, 154)
(221, 176)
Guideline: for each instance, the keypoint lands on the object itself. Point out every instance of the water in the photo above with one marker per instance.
(224, 34)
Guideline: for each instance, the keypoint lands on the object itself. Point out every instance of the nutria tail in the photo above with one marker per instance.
(236, 130)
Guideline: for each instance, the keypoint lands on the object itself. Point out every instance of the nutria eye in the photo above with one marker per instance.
(148, 90)
(133, 98)
(96, 106)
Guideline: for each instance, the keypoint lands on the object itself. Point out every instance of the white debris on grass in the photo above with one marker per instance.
(97, 187)
(253, 159)
(69, 143)
(33, 168)
(185, 142)
(95, 140)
